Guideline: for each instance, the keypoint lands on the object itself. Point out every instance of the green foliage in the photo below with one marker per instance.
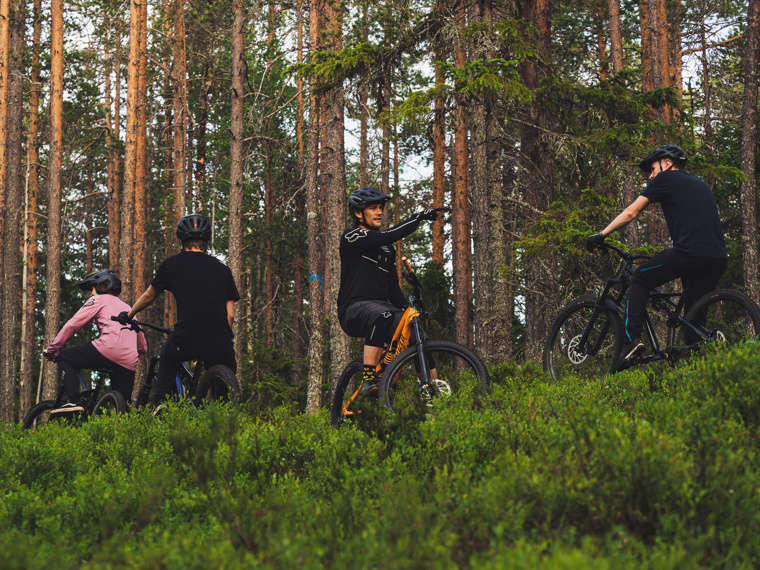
(650, 468)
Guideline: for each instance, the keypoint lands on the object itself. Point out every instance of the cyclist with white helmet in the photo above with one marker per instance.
(370, 301)
(205, 292)
(116, 349)
(698, 255)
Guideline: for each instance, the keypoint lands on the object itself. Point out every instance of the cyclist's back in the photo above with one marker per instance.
(205, 292)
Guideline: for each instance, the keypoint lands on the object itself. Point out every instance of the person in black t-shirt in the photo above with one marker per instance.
(205, 293)
(370, 300)
(698, 255)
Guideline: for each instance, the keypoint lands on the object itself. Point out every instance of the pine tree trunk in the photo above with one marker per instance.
(493, 304)
(236, 170)
(53, 246)
(460, 217)
(335, 170)
(130, 155)
(31, 211)
(439, 141)
(138, 251)
(537, 183)
(297, 344)
(749, 151)
(616, 37)
(14, 187)
(313, 227)
(180, 107)
(112, 171)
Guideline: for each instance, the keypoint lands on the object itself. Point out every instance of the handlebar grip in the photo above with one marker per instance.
(407, 265)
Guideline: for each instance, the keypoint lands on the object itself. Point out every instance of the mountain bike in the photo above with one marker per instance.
(218, 383)
(586, 338)
(93, 403)
(414, 371)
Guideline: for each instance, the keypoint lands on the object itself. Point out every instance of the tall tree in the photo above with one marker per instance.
(53, 245)
(31, 211)
(313, 226)
(237, 94)
(439, 135)
(14, 186)
(749, 151)
(460, 200)
(616, 36)
(335, 170)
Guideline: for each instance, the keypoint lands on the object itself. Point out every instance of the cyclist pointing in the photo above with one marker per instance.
(370, 300)
(205, 293)
(698, 255)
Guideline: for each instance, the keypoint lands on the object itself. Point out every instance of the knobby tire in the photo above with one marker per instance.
(348, 383)
(561, 359)
(218, 384)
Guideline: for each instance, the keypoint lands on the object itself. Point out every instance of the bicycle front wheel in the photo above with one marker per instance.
(348, 383)
(722, 316)
(453, 369)
(218, 384)
(563, 355)
(111, 402)
(39, 415)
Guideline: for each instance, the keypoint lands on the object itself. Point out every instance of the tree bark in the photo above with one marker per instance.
(53, 246)
(313, 216)
(493, 305)
(130, 154)
(297, 345)
(537, 182)
(14, 188)
(138, 240)
(460, 216)
(335, 170)
(236, 168)
(439, 140)
(616, 36)
(749, 151)
(180, 110)
(31, 212)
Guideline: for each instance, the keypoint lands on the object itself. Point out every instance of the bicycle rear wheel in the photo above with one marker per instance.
(562, 355)
(39, 415)
(218, 384)
(722, 316)
(455, 369)
(111, 402)
(348, 383)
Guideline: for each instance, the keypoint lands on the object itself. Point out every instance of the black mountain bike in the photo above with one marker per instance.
(411, 377)
(93, 402)
(586, 338)
(218, 383)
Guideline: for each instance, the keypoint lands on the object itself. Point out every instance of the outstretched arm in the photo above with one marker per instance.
(627, 216)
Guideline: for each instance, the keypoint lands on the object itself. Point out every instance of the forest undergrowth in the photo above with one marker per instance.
(651, 468)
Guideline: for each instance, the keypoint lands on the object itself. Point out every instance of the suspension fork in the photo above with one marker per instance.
(421, 344)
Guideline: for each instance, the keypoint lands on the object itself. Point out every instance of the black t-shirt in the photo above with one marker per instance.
(368, 265)
(201, 285)
(690, 212)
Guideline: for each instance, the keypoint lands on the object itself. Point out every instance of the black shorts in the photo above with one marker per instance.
(376, 321)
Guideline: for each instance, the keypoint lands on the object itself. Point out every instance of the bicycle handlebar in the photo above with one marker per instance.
(135, 325)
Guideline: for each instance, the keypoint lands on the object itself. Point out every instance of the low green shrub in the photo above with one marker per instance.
(654, 467)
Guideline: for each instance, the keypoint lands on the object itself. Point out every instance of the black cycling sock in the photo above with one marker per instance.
(369, 374)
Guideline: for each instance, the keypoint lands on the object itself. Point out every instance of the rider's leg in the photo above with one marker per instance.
(168, 366)
(658, 269)
(702, 279)
(122, 380)
(81, 356)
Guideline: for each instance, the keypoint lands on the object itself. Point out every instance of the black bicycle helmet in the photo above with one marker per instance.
(363, 197)
(194, 226)
(670, 151)
(104, 282)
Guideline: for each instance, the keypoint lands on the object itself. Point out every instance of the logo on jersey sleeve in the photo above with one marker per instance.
(355, 235)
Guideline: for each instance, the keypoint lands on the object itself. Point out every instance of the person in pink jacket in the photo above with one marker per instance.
(117, 348)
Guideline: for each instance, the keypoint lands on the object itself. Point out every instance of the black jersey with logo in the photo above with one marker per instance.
(368, 265)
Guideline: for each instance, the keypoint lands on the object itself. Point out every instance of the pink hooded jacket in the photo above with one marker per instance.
(116, 343)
